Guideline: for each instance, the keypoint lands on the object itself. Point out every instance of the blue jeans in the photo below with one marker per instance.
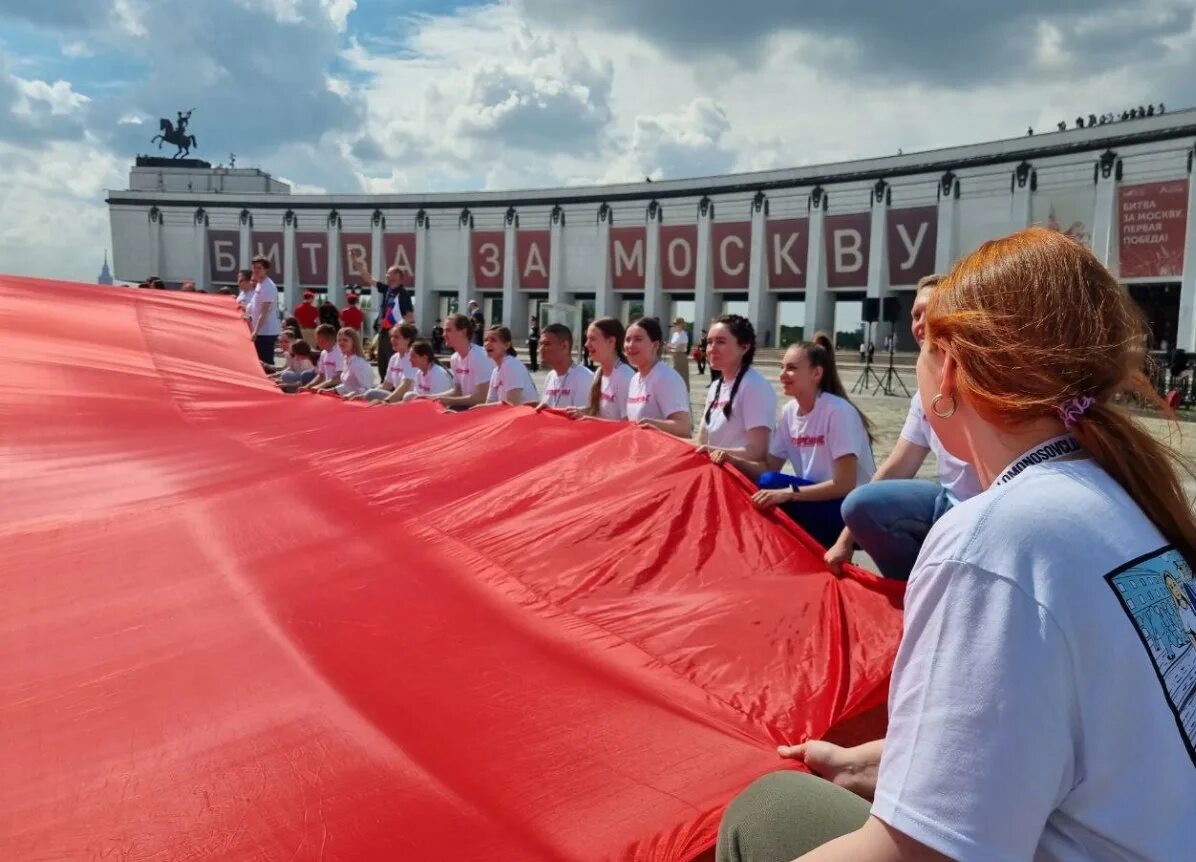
(820, 518)
(889, 520)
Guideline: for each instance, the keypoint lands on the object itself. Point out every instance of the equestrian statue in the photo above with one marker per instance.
(177, 135)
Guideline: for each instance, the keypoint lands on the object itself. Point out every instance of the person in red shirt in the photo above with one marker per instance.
(308, 316)
(352, 316)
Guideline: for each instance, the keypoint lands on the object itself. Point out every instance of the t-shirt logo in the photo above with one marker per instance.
(638, 399)
(810, 440)
(1158, 593)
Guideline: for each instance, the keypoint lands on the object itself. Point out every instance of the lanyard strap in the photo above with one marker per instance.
(1055, 449)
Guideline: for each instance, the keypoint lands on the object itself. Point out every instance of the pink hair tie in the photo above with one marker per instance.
(1073, 410)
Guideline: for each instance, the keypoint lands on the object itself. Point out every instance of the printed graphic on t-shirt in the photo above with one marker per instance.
(1159, 594)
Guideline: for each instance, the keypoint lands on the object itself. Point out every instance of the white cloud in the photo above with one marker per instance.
(338, 11)
(60, 98)
(131, 120)
(75, 50)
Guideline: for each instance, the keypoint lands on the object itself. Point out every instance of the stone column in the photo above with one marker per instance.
(878, 254)
(654, 305)
(377, 229)
(1106, 174)
(246, 229)
(290, 263)
(704, 305)
(201, 271)
(946, 248)
(606, 303)
(465, 288)
(426, 308)
(1023, 183)
(762, 305)
(514, 299)
(154, 240)
(1186, 331)
(336, 283)
(820, 305)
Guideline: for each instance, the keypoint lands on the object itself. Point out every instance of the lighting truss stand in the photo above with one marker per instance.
(867, 377)
(892, 376)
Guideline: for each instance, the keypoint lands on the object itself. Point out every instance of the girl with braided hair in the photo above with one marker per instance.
(741, 406)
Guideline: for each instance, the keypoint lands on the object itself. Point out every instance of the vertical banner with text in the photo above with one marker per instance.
(488, 247)
(533, 252)
(912, 234)
(678, 256)
(786, 243)
(1153, 217)
(627, 249)
(731, 244)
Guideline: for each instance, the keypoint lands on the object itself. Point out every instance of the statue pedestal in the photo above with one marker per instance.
(160, 162)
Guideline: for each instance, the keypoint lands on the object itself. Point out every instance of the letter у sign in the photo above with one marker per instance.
(912, 235)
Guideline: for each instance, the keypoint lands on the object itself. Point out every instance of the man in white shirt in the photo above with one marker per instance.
(245, 288)
(889, 519)
(264, 324)
(567, 384)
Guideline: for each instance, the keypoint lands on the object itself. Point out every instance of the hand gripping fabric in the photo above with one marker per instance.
(239, 625)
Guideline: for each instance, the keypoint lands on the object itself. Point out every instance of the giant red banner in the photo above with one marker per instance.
(678, 256)
(223, 248)
(627, 249)
(1151, 229)
(311, 251)
(398, 249)
(533, 250)
(846, 243)
(731, 246)
(269, 243)
(912, 235)
(571, 640)
(787, 241)
(488, 250)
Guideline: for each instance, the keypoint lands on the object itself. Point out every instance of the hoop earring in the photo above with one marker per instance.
(934, 406)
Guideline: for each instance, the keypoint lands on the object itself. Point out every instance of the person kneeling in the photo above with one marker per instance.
(826, 438)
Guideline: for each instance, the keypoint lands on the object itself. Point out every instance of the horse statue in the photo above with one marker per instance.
(177, 136)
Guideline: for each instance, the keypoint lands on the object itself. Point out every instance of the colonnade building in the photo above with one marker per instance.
(792, 248)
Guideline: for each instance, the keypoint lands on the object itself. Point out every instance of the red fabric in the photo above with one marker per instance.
(352, 317)
(226, 632)
(307, 315)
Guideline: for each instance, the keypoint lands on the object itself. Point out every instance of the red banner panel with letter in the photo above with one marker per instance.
(847, 237)
(269, 244)
(913, 235)
(311, 251)
(533, 250)
(487, 247)
(627, 249)
(223, 248)
(398, 249)
(731, 247)
(786, 243)
(678, 256)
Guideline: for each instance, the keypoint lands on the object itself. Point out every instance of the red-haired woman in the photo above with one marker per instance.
(1034, 711)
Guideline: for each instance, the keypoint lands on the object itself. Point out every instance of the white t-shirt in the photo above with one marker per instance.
(399, 369)
(357, 377)
(266, 291)
(679, 341)
(512, 374)
(613, 401)
(331, 362)
(471, 370)
(755, 406)
(957, 477)
(1043, 701)
(570, 390)
(245, 300)
(434, 381)
(657, 396)
(813, 442)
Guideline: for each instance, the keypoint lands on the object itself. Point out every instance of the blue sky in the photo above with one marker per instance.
(412, 95)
